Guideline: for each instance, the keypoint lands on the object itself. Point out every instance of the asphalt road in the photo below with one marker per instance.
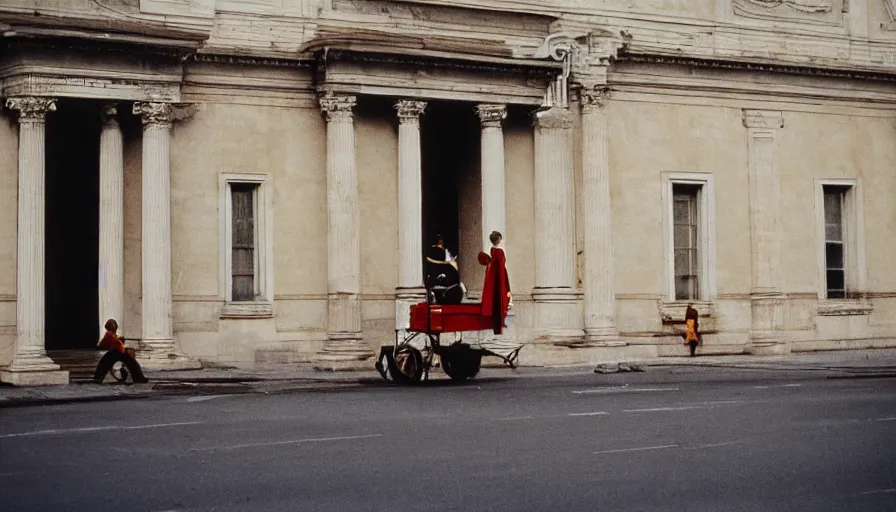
(669, 439)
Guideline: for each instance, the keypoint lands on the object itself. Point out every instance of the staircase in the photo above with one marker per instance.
(79, 363)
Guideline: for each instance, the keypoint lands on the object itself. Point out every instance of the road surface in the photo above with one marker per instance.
(691, 439)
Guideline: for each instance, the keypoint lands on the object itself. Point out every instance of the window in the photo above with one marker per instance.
(689, 236)
(835, 273)
(841, 254)
(685, 232)
(246, 246)
(243, 262)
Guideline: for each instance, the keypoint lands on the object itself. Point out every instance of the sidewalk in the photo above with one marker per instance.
(270, 379)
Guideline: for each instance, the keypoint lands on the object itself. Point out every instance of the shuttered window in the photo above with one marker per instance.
(834, 253)
(685, 241)
(244, 239)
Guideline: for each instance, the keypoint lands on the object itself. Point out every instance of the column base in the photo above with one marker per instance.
(768, 348)
(344, 355)
(559, 316)
(164, 355)
(33, 371)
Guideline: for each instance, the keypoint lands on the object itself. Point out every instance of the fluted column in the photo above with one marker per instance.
(766, 297)
(158, 349)
(410, 214)
(345, 348)
(30, 365)
(492, 169)
(600, 297)
(559, 316)
(111, 239)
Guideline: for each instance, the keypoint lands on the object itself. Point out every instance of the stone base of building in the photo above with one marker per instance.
(344, 355)
(768, 348)
(34, 377)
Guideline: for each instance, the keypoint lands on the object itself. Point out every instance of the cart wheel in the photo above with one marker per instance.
(119, 372)
(461, 364)
(407, 365)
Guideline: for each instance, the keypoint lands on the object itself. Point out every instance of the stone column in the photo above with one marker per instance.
(600, 297)
(345, 348)
(111, 250)
(410, 214)
(158, 349)
(558, 315)
(766, 298)
(492, 169)
(30, 365)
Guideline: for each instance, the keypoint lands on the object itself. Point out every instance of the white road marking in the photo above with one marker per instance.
(282, 443)
(791, 385)
(887, 419)
(515, 418)
(96, 429)
(645, 448)
(713, 445)
(598, 413)
(880, 491)
(666, 409)
(716, 402)
(760, 387)
(622, 389)
(8, 474)
(194, 399)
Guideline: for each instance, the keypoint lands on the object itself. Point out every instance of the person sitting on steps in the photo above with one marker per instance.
(117, 352)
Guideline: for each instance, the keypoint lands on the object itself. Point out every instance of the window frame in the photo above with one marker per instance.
(706, 233)
(853, 224)
(262, 306)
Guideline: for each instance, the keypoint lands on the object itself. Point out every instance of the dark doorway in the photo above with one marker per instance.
(449, 146)
(72, 225)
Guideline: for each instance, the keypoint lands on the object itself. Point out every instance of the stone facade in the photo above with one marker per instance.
(261, 167)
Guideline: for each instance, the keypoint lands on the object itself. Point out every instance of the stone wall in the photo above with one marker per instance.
(8, 215)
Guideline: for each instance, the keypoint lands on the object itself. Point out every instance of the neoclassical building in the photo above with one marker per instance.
(244, 181)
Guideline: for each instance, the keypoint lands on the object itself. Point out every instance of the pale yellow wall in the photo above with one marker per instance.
(133, 260)
(647, 139)
(519, 165)
(376, 142)
(9, 137)
(287, 144)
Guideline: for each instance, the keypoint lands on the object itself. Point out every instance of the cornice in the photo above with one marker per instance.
(238, 60)
(530, 68)
(825, 72)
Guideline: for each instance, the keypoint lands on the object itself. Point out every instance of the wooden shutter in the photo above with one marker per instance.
(243, 241)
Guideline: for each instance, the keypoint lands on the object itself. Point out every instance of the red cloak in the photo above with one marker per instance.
(496, 289)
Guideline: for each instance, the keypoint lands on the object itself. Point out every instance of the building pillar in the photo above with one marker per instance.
(158, 349)
(30, 365)
(492, 169)
(558, 315)
(410, 211)
(111, 239)
(345, 348)
(600, 297)
(766, 298)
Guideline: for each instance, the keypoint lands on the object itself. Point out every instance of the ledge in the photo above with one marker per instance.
(672, 312)
(247, 310)
(844, 308)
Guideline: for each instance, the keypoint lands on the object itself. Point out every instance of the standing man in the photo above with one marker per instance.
(442, 276)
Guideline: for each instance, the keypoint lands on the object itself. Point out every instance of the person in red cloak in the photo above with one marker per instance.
(496, 289)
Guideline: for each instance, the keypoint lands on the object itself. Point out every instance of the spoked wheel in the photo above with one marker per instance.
(119, 372)
(407, 365)
(461, 364)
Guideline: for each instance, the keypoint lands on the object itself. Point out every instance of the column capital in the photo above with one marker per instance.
(31, 108)
(109, 114)
(409, 111)
(158, 113)
(491, 115)
(763, 119)
(594, 98)
(337, 108)
(559, 118)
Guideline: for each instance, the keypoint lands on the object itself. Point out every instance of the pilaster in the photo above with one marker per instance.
(557, 308)
(158, 349)
(111, 220)
(766, 298)
(346, 348)
(491, 117)
(30, 365)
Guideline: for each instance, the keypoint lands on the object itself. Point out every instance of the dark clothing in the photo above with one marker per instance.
(113, 356)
